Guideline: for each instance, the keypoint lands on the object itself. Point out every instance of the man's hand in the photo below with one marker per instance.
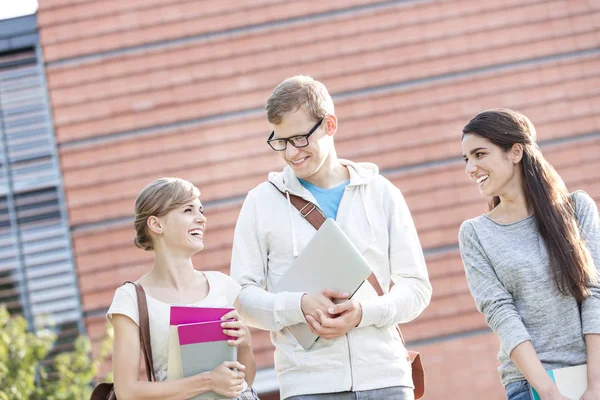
(346, 316)
(323, 301)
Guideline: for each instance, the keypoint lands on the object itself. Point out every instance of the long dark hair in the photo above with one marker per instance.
(546, 196)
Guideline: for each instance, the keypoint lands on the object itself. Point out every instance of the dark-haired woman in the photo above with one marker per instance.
(532, 261)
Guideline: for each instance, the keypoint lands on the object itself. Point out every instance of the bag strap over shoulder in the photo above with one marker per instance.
(106, 391)
(306, 208)
(144, 330)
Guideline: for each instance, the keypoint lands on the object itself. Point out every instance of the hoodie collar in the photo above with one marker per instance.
(287, 182)
(360, 174)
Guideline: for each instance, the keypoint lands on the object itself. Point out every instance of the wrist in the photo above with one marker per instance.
(546, 389)
(593, 385)
(245, 345)
(302, 301)
(593, 378)
(205, 381)
(359, 314)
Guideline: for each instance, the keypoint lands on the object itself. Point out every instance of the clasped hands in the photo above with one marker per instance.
(327, 319)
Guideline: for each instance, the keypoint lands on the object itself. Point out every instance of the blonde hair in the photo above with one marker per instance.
(299, 91)
(158, 199)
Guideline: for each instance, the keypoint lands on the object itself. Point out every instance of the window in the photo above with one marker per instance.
(37, 272)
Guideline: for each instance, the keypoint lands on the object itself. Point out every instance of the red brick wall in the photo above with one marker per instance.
(144, 89)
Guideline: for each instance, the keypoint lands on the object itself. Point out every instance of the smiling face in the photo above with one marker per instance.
(495, 171)
(306, 161)
(183, 227)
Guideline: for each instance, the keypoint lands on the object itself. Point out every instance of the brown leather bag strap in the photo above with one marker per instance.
(308, 210)
(144, 330)
(375, 283)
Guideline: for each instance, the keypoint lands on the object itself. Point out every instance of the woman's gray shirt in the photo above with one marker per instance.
(509, 276)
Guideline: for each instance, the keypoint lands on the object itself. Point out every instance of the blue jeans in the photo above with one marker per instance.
(518, 391)
(396, 393)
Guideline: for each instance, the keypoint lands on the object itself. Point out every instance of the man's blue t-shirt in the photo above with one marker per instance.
(327, 199)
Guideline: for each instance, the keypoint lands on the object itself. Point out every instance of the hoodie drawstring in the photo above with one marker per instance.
(293, 229)
(366, 208)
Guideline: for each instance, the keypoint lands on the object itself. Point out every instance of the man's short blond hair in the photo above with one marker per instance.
(299, 91)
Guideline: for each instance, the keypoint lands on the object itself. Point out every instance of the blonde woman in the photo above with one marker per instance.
(170, 222)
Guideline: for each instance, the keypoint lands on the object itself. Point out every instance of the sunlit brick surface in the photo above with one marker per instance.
(144, 89)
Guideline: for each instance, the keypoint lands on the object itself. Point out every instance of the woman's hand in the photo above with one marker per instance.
(553, 394)
(592, 393)
(237, 329)
(227, 382)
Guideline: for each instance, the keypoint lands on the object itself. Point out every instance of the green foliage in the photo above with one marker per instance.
(23, 375)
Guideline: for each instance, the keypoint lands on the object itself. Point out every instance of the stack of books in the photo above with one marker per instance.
(197, 343)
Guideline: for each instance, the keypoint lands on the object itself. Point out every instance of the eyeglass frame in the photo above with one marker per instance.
(288, 140)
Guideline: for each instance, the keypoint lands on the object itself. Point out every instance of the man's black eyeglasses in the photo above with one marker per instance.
(299, 141)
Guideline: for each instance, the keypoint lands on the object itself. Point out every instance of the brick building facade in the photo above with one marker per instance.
(144, 89)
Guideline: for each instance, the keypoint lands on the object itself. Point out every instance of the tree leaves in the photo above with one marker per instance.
(23, 375)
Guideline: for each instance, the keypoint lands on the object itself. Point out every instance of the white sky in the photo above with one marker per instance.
(17, 8)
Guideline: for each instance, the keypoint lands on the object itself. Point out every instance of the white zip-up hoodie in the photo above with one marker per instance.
(270, 233)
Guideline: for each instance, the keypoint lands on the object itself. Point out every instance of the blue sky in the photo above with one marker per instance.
(17, 8)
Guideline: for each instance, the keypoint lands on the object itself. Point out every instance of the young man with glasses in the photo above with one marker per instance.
(359, 353)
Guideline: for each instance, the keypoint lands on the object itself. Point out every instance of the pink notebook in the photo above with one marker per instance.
(188, 315)
(203, 347)
(182, 315)
(202, 332)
